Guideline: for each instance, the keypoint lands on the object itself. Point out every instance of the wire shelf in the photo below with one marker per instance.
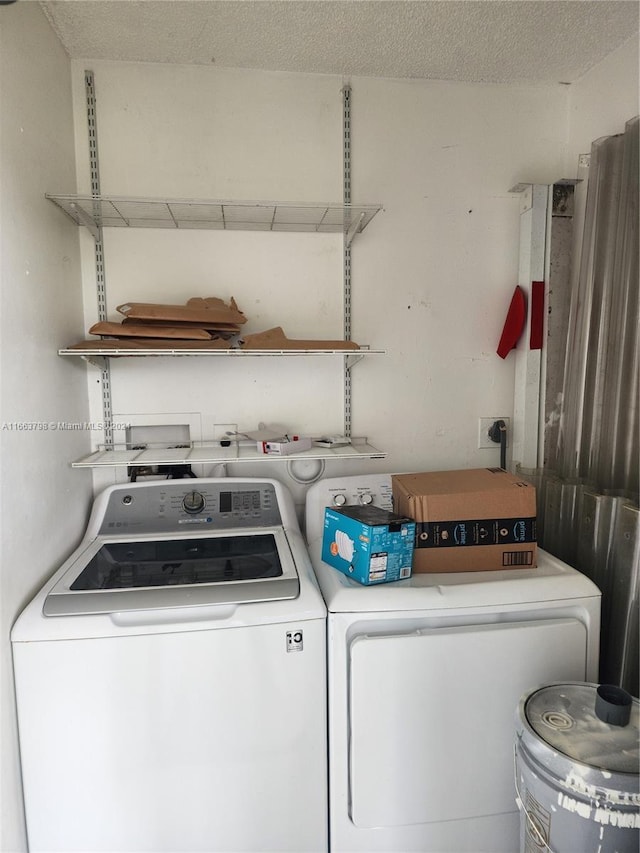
(123, 212)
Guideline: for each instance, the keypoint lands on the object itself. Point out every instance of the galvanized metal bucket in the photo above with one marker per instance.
(577, 766)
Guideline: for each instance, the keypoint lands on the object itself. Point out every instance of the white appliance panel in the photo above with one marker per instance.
(424, 678)
(196, 723)
(175, 734)
(431, 716)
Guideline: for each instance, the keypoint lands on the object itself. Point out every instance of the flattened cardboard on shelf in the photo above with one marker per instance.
(223, 328)
(276, 339)
(148, 343)
(211, 303)
(150, 330)
(196, 310)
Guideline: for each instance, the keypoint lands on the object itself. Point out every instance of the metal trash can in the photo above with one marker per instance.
(577, 766)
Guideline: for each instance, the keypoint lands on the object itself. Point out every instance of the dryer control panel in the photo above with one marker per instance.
(189, 505)
(364, 490)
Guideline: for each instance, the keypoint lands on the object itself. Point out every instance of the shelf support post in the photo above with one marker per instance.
(346, 250)
(107, 413)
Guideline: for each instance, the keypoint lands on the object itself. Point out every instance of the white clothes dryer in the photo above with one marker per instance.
(171, 678)
(425, 676)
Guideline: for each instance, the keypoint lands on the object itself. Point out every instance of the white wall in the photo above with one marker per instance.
(603, 100)
(43, 503)
(434, 282)
(433, 274)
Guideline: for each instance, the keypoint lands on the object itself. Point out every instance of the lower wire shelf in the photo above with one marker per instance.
(205, 453)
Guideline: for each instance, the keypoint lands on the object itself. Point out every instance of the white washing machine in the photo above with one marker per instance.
(425, 676)
(171, 678)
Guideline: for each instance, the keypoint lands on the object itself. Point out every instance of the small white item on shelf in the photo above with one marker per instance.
(332, 441)
(267, 432)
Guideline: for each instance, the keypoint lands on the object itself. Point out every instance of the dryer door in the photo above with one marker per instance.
(432, 716)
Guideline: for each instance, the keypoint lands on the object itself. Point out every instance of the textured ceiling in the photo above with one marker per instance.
(496, 41)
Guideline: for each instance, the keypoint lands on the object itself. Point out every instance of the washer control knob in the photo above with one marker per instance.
(339, 499)
(193, 502)
(366, 498)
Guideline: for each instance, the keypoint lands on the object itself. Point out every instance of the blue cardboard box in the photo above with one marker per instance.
(368, 544)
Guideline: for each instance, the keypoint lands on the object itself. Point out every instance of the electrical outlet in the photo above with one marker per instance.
(484, 424)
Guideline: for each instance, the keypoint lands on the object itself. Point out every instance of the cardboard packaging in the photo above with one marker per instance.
(149, 330)
(368, 544)
(197, 310)
(276, 339)
(481, 519)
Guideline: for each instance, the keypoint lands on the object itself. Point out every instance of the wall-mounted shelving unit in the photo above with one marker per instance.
(97, 211)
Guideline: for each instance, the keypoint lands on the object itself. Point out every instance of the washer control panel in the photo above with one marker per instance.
(184, 505)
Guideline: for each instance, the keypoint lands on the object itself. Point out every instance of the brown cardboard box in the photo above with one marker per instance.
(480, 519)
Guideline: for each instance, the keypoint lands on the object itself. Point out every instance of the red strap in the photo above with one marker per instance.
(537, 315)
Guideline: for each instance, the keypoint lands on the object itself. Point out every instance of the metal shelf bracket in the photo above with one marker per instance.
(86, 220)
(96, 361)
(352, 360)
(353, 229)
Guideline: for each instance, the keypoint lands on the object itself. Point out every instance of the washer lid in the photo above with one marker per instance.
(564, 716)
(152, 573)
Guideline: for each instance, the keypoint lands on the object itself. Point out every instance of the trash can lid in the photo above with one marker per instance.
(585, 722)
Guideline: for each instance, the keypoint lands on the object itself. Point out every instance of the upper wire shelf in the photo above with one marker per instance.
(116, 211)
